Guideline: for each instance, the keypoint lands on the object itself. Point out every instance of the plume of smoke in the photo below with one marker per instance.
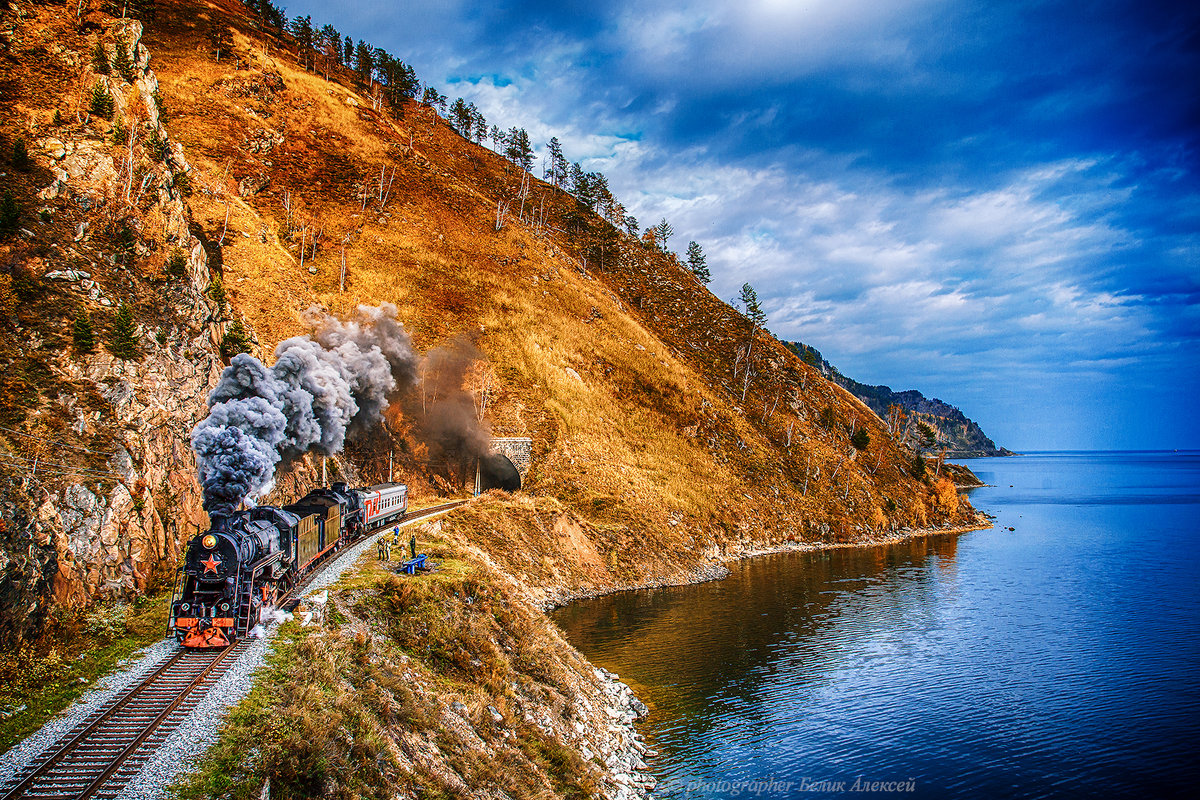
(447, 421)
(322, 387)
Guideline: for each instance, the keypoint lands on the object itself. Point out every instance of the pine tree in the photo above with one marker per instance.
(329, 43)
(216, 290)
(102, 102)
(219, 42)
(558, 162)
(461, 118)
(302, 31)
(160, 105)
(697, 262)
(100, 60)
(364, 62)
(861, 439)
(751, 308)
(581, 185)
(235, 340)
(662, 232)
(10, 214)
(600, 193)
(518, 149)
(20, 155)
(123, 340)
(121, 63)
(83, 336)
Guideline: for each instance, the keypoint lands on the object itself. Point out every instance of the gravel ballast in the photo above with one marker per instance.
(19, 757)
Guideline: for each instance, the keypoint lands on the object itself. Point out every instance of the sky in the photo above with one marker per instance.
(996, 203)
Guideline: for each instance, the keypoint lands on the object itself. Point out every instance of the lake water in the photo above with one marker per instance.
(1060, 659)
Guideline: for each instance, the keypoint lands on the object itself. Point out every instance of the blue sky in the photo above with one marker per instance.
(995, 203)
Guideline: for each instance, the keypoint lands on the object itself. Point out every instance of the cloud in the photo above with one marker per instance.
(979, 200)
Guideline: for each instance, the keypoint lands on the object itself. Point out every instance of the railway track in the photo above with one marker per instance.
(101, 754)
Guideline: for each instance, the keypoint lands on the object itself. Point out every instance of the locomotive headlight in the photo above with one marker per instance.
(209, 541)
(185, 607)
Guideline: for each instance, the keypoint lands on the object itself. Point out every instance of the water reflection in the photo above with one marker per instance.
(1057, 659)
(706, 654)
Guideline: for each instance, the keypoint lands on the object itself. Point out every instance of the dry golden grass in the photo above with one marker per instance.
(653, 440)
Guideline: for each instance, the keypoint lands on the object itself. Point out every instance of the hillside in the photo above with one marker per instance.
(668, 434)
(952, 430)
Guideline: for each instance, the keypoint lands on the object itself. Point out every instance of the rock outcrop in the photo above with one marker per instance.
(73, 533)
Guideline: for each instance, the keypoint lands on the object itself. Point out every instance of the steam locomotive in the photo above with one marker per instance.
(249, 559)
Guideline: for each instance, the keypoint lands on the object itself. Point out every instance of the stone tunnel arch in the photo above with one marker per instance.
(506, 466)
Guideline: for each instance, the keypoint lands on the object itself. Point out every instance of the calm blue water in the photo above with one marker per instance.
(1060, 659)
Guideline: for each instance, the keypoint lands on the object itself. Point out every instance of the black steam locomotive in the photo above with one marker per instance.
(246, 561)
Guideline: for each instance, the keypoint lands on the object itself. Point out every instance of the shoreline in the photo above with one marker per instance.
(720, 569)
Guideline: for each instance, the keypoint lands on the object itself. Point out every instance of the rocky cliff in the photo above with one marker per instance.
(96, 489)
(930, 426)
(241, 187)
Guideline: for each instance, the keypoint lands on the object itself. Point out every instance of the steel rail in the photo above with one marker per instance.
(105, 713)
(132, 747)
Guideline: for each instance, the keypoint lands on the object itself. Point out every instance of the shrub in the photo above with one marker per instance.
(123, 341)
(107, 622)
(100, 60)
(83, 336)
(157, 147)
(183, 184)
(20, 155)
(102, 102)
(118, 132)
(58, 119)
(124, 241)
(177, 264)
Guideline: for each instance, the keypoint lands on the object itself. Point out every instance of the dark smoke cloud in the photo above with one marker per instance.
(322, 387)
(448, 421)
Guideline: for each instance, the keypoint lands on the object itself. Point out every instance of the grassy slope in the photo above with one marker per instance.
(647, 465)
(360, 704)
(652, 450)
